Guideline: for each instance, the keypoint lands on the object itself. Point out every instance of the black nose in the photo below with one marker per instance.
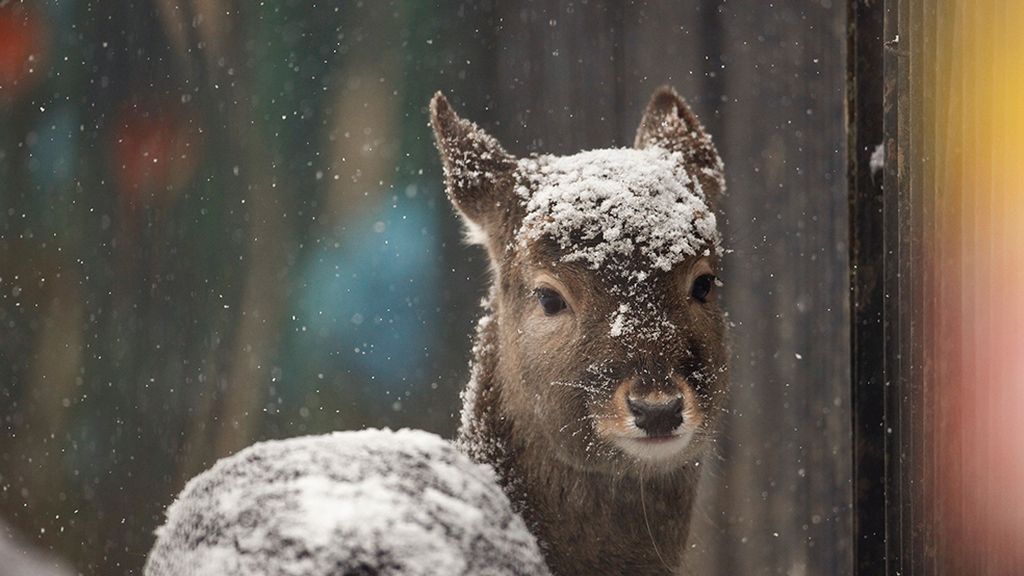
(657, 418)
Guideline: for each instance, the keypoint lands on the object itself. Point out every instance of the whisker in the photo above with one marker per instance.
(643, 506)
(592, 389)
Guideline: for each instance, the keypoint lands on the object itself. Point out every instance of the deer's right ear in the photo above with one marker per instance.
(478, 172)
(669, 123)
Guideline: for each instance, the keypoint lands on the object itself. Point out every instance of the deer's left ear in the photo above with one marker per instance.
(669, 123)
(479, 174)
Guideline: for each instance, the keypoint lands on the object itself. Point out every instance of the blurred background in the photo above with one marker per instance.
(223, 221)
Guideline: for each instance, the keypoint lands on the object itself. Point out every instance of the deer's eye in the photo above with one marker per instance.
(702, 287)
(551, 301)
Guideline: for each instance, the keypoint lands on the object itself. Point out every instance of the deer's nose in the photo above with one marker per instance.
(656, 418)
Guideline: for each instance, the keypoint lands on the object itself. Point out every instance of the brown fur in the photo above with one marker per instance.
(549, 394)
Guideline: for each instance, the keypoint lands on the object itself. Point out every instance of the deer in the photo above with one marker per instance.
(599, 366)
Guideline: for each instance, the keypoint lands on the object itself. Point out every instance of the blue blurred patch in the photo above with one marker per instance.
(55, 149)
(368, 299)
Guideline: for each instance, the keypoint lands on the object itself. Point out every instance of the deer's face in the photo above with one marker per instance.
(612, 342)
(609, 371)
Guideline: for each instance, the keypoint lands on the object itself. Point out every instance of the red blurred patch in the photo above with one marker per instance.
(24, 43)
(155, 150)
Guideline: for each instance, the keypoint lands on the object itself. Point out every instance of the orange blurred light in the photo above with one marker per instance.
(979, 285)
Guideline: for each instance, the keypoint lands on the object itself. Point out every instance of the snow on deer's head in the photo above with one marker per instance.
(611, 343)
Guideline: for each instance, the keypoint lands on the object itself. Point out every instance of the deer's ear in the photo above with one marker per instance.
(478, 172)
(669, 123)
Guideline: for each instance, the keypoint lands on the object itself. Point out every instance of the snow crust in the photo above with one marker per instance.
(631, 203)
(373, 502)
(877, 161)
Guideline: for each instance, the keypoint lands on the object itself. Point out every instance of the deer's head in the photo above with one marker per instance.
(611, 339)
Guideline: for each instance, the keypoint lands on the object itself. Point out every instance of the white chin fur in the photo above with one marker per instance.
(473, 234)
(660, 451)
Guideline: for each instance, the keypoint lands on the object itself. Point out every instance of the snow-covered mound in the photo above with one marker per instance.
(373, 502)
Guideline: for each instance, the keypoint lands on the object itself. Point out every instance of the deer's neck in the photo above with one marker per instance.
(586, 522)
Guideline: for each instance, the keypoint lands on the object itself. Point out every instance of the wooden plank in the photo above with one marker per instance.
(780, 493)
(864, 92)
(557, 89)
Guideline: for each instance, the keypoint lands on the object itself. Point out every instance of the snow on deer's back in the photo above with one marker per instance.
(373, 502)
